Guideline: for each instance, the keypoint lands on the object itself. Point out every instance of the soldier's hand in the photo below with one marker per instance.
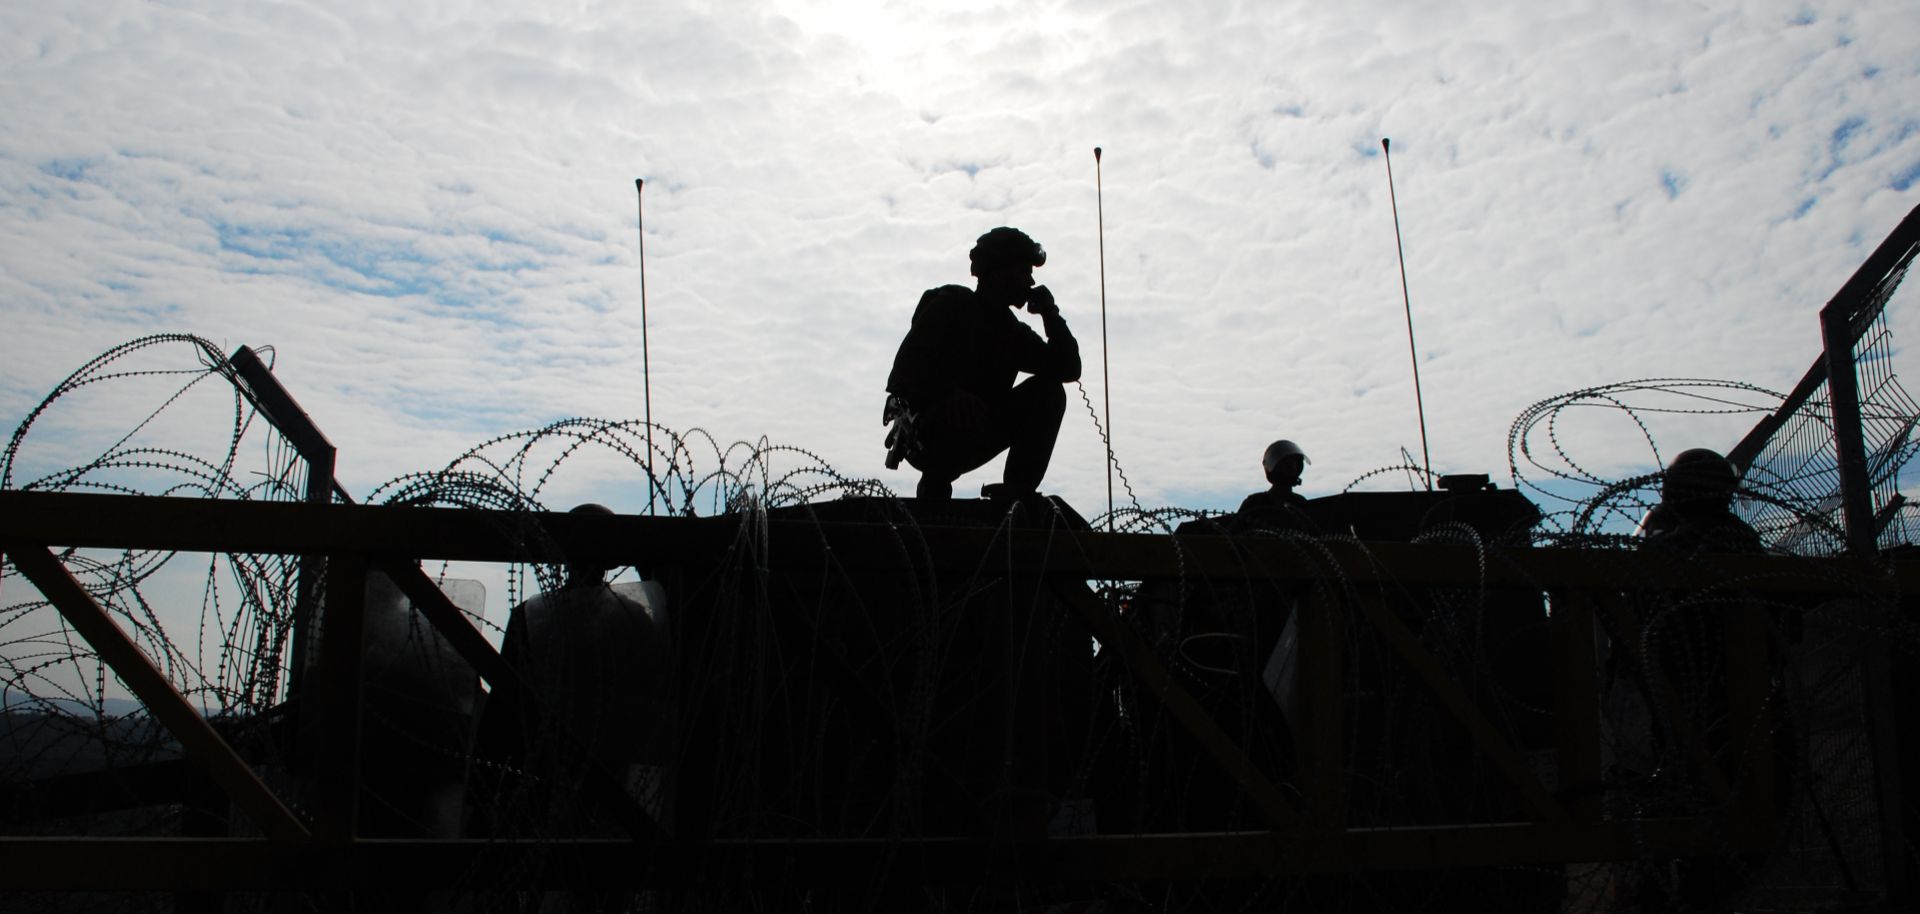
(1040, 301)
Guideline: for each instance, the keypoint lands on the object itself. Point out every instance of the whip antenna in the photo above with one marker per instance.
(646, 370)
(1106, 385)
(1426, 459)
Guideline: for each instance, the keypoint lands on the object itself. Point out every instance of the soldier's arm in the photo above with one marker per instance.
(1058, 357)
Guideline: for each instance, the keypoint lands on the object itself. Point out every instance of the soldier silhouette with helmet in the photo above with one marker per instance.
(1679, 689)
(952, 398)
(1695, 513)
(1278, 507)
(588, 696)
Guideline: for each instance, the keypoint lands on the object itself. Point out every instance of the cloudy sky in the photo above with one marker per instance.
(428, 210)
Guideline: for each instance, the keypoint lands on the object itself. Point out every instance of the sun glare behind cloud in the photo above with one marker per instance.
(915, 50)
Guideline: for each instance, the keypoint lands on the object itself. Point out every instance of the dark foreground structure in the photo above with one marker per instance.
(1413, 701)
(856, 730)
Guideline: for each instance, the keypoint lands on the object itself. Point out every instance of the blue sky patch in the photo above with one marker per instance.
(499, 237)
(428, 406)
(1904, 180)
(381, 268)
(387, 270)
(69, 169)
(1672, 183)
(1843, 134)
(1261, 156)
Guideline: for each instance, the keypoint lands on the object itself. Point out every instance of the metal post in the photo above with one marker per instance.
(1323, 734)
(1576, 710)
(284, 414)
(1881, 681)
(1749, 684)
(1849, 445)
(334, 702)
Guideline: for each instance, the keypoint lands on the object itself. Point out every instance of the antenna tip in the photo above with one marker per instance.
(1096, 153)
(639, 185)
(1383, 142)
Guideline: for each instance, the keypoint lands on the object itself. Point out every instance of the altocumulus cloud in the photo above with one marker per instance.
(429, 209)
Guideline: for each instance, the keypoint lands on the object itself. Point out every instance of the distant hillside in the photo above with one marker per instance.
(112, 707)
(41, 743)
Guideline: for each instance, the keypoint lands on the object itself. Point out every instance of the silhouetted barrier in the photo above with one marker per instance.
(865, 695)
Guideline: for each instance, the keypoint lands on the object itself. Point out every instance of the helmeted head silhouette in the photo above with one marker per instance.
(1006, 247)
(1280, 465)
(582, 573)
(1700, 480)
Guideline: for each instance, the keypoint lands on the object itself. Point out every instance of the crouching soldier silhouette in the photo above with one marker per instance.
(952, 397)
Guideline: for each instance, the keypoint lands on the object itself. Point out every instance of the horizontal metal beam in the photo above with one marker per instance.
(294, 528)
(188, 864)
(207, 525)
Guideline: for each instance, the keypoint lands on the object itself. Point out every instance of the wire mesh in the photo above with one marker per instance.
(1796, 471)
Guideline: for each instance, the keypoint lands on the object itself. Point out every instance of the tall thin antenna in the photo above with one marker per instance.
(1426, 459)
(1106, 385)
(646, 369)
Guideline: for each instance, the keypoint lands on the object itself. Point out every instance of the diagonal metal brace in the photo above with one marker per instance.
(198, 738)
(1179, 702)
(1485, 736)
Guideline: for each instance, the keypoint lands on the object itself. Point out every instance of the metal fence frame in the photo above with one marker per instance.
(323, 849)
(1845, 321)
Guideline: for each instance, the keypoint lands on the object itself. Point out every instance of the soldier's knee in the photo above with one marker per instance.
(1047, 396)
